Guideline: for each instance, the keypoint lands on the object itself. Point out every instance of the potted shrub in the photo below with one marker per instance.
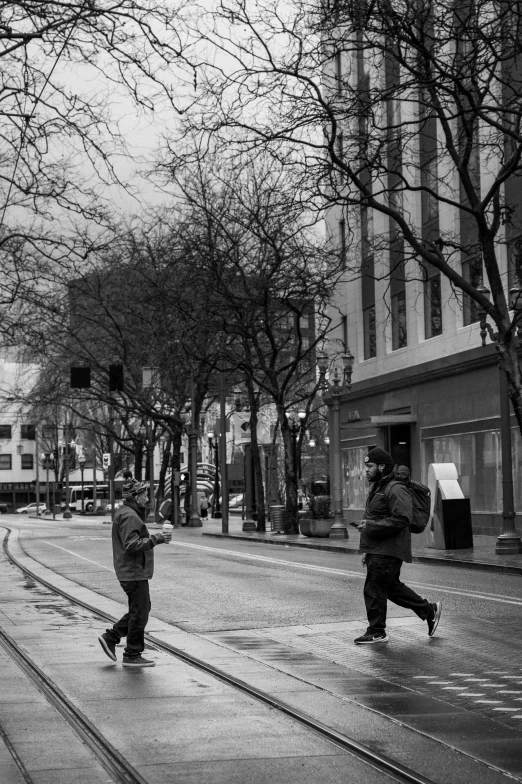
(321, 519)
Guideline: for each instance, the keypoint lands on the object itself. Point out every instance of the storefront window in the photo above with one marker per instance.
(477, 457)
(355, 485)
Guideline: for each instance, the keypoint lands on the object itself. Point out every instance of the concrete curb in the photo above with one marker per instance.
(481, 566)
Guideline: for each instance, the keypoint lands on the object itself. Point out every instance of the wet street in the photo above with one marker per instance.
(285, 619)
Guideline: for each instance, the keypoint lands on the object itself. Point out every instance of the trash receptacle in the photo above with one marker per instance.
(277, 518)
(456, 522)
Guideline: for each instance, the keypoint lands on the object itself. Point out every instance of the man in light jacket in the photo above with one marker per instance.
(133, 556)
(386, 542)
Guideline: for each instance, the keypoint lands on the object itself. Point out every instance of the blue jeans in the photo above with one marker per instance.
(383, 583)
(132, 624)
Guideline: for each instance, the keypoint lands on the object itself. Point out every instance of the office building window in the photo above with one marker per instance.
(344, 332)
(28, 432)
(27, 462)
(5, 462)
(471, 252)
(472, 272)
(399, 328)
(370, 332)
(398, 299)
(342, 241)
(432, 303)
(340, 155)
(338, 71)
(5, 431)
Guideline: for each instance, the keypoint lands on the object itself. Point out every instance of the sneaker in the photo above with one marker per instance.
(108, 646)
(137, 661)
(434, 622)
(367, 639)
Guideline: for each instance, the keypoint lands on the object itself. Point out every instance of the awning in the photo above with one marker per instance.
(381, 421)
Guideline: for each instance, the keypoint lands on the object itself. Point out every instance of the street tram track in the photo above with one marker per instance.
(112, 761)
(115, 763)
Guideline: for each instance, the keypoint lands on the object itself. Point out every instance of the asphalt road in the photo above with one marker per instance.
(204, 585)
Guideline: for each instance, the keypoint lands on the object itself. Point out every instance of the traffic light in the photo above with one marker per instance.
(116, 378)
(80, 378)
(184, 477)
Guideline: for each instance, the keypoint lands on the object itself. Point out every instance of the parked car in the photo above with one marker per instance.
(31, 509)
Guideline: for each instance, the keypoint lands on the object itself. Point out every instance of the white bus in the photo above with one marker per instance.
(102, 496)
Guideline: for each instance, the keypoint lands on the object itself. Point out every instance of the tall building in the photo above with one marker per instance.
(424, 387)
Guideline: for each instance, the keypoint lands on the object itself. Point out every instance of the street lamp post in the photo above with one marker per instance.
(296, 425)
(82, 468)
(67, 514)
(332, 398)
(508, 541)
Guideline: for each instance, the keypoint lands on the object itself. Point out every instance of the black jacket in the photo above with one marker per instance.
(131, 544)
(388, 516)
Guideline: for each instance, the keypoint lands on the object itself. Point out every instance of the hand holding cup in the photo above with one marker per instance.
(167, 532)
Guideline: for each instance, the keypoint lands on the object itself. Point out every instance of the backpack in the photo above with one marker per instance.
(420, 500)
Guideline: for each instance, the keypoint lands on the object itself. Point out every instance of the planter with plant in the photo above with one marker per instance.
(321, 517)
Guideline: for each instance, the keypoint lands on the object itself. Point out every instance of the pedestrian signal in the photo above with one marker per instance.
(184, 477)
(106, 461)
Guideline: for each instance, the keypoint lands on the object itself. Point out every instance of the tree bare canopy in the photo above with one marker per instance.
(391, 107)
(270, 278)
(65, 67)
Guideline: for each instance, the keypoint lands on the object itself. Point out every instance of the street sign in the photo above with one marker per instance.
(106, 461)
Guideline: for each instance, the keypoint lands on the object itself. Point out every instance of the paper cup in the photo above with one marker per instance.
(167, 528)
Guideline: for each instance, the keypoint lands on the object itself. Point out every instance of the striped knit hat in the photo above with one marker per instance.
(131, 487)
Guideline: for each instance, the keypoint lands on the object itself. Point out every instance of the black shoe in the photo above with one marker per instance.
(368, 639)
(108, 646)
(137, 661)
(434, 622)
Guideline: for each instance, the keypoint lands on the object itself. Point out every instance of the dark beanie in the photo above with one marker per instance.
(378, 456)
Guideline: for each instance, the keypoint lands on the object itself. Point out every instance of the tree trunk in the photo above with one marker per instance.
(163, 470)
(291, 526)
(256, 459)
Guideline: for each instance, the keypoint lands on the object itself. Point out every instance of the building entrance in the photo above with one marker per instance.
(398, 444)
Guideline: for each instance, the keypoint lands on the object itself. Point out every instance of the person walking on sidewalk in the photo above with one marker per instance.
(133, 556)
(386, 544)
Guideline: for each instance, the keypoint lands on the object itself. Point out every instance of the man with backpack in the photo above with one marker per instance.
(386, 543)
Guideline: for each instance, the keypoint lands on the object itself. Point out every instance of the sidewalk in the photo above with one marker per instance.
(482, 557)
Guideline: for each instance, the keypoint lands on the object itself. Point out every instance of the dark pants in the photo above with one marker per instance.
(132, 624)
(383, 583)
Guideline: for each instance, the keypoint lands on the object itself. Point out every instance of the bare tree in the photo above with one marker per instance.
(63, 66)
(385, 103)
(271, 277)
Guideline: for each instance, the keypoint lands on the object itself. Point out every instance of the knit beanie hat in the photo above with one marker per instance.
(131, 487)
(378, 456)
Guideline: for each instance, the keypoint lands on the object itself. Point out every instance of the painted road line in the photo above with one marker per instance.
(502, 599)
(76, 555)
